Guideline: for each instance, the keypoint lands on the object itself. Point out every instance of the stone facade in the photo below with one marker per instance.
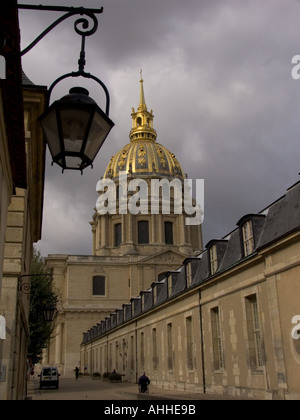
(129, 250)
(219, 326)
(23, 228)
(22, 156)
(83, 305)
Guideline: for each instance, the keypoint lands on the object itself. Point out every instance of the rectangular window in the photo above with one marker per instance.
(170, 346)
(124, 353)
(117, 356)
(98, 286)
(132, 352)
(248, 239)
(213, 259)
(154, 350)
(254, 333)
(169, 233)
(132, 308)
(189, 277)
(143, 301)
(170, 285)
(154, 295)
(101, 356)
(143, 232)
(190, 343)
(118, 234)
(105, 358)
(110, 357)
(216, 339)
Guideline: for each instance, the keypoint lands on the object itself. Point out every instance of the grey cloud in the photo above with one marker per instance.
(218, 77)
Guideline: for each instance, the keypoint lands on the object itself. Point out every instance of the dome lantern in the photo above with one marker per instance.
(142, 119)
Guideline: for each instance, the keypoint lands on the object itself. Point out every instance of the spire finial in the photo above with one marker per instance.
(142, 95)
(142, 119)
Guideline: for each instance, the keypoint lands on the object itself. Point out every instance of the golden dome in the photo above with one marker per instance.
(143, 156)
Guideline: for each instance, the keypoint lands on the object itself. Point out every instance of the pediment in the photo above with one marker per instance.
(165, 257)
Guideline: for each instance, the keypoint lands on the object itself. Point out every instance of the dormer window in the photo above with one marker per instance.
(143, 301)
(154, 295)
(213, 258)
(170, 285)
(132, 307)
(248, 239)
(250, 227)
(127, 311)
(216, 249)
(189, 277)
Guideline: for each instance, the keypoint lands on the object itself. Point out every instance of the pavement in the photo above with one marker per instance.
(87, 388)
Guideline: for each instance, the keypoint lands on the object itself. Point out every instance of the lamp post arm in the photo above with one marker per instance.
(54, 8)
(85, 31)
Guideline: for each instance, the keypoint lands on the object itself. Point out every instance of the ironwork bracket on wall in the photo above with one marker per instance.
(82, 26)
(24, 287)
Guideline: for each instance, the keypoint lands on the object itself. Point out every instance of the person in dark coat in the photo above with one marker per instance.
(144, 381)
(76, 370)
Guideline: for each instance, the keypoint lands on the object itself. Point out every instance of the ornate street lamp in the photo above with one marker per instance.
(75, 127)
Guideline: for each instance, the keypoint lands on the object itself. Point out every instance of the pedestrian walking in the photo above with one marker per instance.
(76, 370)
(144, 381)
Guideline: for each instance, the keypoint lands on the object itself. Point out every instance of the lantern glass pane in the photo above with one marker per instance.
(74, 124)
(49, 313)
(101, 126)
(50, 129)
(74, 162)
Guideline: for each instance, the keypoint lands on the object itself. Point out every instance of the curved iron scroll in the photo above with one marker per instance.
(85, 31)
(25, 287)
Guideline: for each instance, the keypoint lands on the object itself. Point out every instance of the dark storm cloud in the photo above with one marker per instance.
(216, 73)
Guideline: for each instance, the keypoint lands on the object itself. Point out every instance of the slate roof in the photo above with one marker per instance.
(282, 217)
(26, 81)
(276, 221)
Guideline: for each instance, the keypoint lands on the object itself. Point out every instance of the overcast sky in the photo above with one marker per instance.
(217, 74)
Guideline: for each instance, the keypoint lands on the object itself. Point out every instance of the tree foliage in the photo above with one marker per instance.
(41, 292)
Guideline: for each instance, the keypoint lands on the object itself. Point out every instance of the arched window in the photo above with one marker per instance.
(143, 232)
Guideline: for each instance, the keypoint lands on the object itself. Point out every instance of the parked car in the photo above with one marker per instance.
(49, 376)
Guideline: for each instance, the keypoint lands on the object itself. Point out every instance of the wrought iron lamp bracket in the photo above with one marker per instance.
(82, 27)
(71, 11)
(25, 287)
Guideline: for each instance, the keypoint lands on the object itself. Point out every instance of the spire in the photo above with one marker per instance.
(142, 119)
(142, 104)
